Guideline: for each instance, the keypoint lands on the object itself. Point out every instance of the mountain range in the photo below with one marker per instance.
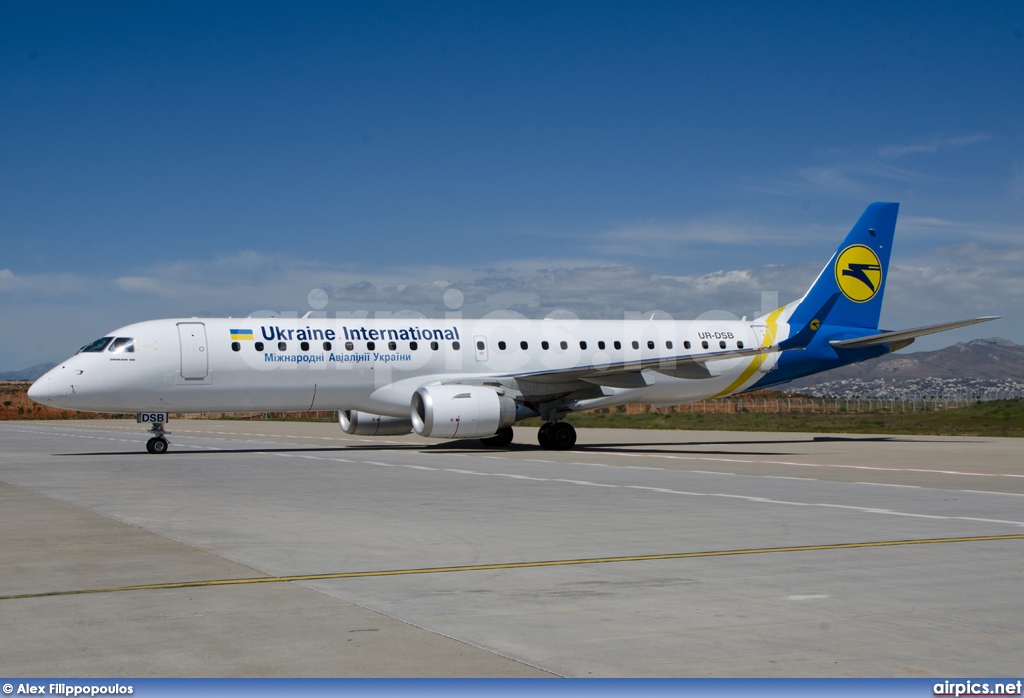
(992, 359)
(26, 374)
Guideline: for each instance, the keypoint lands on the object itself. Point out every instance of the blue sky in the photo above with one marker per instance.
(221, 158)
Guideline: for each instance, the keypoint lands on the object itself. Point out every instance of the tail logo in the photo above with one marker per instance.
(858, 273)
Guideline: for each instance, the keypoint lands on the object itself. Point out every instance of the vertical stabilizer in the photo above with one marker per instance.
(857, 272)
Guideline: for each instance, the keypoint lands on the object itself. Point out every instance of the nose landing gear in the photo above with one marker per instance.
(157, 444)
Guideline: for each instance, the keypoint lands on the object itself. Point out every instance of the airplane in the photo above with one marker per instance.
(454, 378)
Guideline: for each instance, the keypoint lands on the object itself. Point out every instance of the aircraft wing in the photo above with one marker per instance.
(683, 366)
(902, 335)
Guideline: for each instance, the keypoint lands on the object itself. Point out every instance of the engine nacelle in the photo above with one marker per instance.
(365, 424)
(460, 411)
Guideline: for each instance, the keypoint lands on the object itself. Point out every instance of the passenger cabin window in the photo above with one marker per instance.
(721, 344)
(636, 344)
(327, 346)
(686, 344)
(600, 345)
(370, 346)
(121, 345)
(583, 345)
(413, 346)
(392, 346)
(349, 346)
(668, 344)
(434, 346)
(739, 345)
(282, 346)
(258, 346)
(304, 346)
(564, 345)
(456, 346)
(650, 343)
(236, 346)
(501, 346)
(524, 346)
(544, 345)
(480, 345)
(97, 346)
(704, 344)
(618, 344)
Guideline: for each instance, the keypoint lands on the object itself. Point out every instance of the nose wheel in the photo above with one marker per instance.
(157, 444)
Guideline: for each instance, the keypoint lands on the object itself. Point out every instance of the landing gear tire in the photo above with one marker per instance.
(157, 444)
(544, 435)
(557, 436)
(500, 440)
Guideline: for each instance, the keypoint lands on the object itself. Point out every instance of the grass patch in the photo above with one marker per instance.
(997, 418)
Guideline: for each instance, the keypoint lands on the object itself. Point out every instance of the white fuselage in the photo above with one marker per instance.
(281, 364)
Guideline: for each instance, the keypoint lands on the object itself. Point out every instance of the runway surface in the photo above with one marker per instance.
(641, 553)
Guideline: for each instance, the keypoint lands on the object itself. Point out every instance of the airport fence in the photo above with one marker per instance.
(808, 405)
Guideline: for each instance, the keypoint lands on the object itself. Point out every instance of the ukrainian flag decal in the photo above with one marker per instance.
(241, 334)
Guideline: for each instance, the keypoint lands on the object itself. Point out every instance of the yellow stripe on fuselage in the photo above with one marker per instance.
(769, 336)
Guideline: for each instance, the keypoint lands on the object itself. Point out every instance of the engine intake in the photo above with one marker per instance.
(366, 424)
(460, 411)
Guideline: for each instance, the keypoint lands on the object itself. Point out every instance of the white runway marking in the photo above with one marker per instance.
(663, 490)
(588, 483)
(806, 465)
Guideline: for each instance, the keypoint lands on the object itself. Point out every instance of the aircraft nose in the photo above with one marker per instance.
(40, 390)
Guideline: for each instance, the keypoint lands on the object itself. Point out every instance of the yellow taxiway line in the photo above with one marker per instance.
(516, 565)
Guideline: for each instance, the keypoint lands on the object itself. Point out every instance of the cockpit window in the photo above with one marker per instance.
(99, 345)
(124, 345)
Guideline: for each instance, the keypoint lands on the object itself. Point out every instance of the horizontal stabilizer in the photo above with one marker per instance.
(900, 335)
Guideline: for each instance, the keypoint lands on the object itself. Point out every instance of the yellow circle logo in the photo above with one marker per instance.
(815, 324)
(858, 273)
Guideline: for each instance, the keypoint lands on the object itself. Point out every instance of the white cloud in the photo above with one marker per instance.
(856, 179)
(47, 285)
(61, 312)
(933, 145)
(667, 240)
(974, 253)
(868, 174)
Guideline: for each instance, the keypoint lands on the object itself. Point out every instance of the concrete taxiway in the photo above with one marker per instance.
(641, 553)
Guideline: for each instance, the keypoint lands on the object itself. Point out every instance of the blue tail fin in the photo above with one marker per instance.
(857, 273)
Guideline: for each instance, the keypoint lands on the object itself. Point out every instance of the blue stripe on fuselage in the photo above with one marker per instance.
(818, 356)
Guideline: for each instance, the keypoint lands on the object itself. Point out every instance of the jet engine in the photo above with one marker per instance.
(460, 411)
(365, 424)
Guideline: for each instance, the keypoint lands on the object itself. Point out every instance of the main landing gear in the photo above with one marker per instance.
(500, 440)
(553, 436)
(556, 436)
(157, 444)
